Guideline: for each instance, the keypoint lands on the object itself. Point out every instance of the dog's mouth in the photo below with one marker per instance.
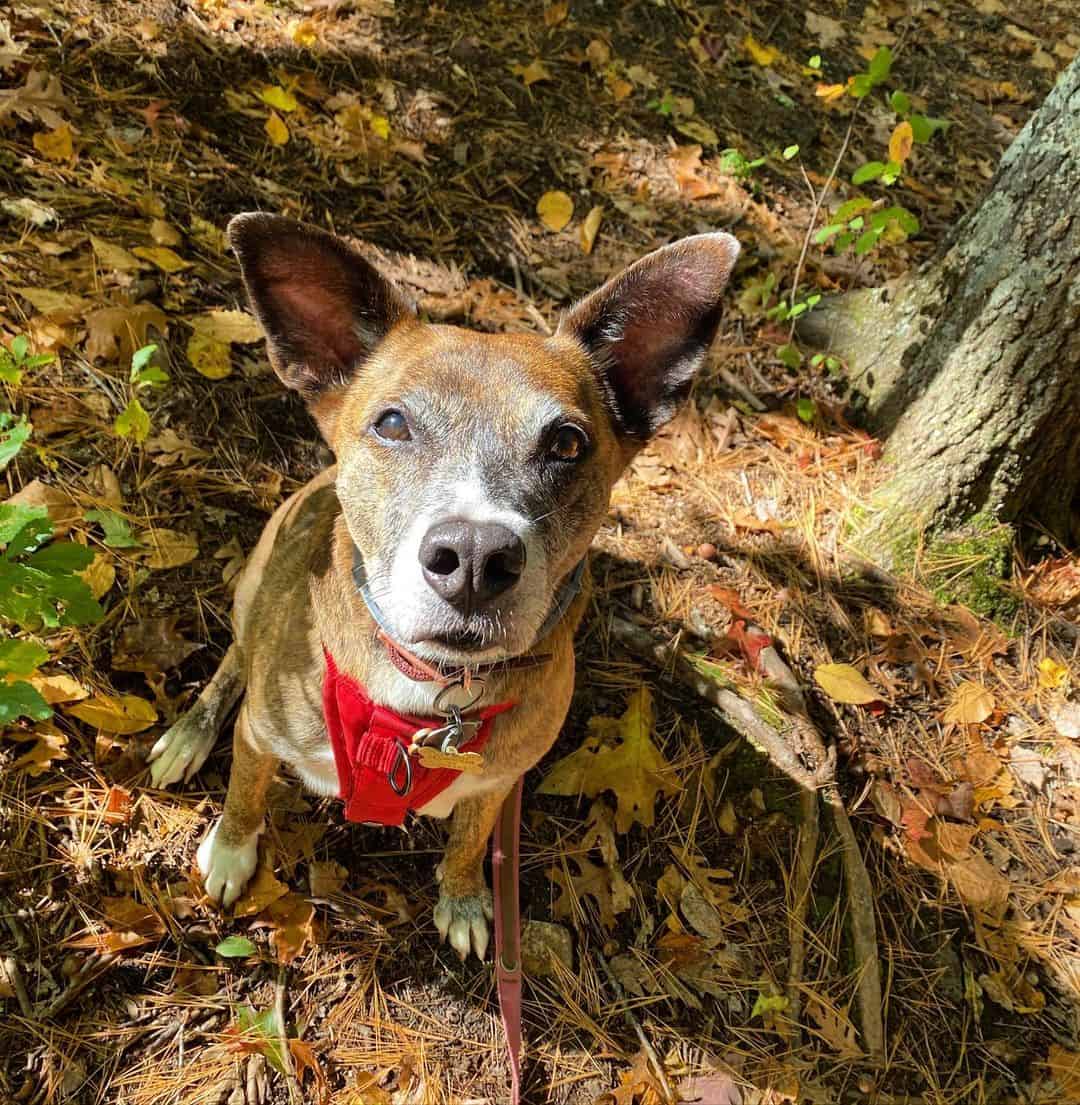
(463, 640)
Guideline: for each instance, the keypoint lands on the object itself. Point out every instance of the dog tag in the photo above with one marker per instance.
(472, 763)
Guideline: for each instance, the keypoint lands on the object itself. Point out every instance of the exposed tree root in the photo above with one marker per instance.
(801, 753)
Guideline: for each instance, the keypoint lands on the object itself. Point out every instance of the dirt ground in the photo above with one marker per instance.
(431, 133)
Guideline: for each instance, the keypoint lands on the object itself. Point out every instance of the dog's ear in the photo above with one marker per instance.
(648, 329)
(323, 307)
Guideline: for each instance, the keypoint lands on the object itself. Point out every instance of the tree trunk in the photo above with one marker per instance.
(971, 368)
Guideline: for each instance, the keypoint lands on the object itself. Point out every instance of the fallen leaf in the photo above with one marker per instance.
(116, 332)
(55, 144)
(544, 948)
(40, 99)
(971, 704)
(170, 448)
(761, 55)
(554, 14)
(900, 142)
(209, 357)
(277, 97)
(165, 234)
(326, 878)
(276, 129)
(49, 745)
(63, 511)
(1052, 675)
(263, 889)
(125, 713)
(835, 1028)
(825, 30)
(555, 209)
(590, 228)
(843, 683)
(236, 947)
(1064, 1068)
(57, 689)
(114, 257)
(227, 326)
(162, 257)
(290, 919)
(633, 768)
(152, 645)
(169, 549)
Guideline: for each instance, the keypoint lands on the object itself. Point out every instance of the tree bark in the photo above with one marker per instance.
(971, 368)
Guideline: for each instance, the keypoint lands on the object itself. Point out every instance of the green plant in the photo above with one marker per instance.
(733, 162)
(134, 421)
(17, 358)
(39, 588)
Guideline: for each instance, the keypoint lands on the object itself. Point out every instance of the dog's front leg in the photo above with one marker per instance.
(230, 852)
(464, 907)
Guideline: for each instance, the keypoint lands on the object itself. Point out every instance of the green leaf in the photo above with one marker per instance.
(861, 85)
(21, 657)
(12, 440)
(39, 359)
(900, 102)
(870, 171)
(790, 152)
(20, 346)
(265, 1029)
(118, 533)
(14, 516)
(923, 128)
(880, 65)
(844, 241)
(806, 410)
(133, 422)
(10, 372)
(892, 172)
(867, 241)
(32, 534)
(236, 947)
(62, 556)
(769, 1003)
(827, 232)
(849, 208)
(141, 358)
(815, 62)
(21, 700)
(789, 355)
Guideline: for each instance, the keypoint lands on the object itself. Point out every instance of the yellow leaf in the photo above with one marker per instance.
(49, 744)
(276, 130)
(1052, 674)
(125, 713)
(56, 144)
(304, 32)
(57, 688)
(620, 88)
(903, 138)
(162, 257)
(263, 889)
(843, 683)
(634, 768)
(209, 357)
(971, 704)
(165, 234)
(762, 55)
(532, 73)
(291, 920)
(114, 257)
(830, 92)
(590, 227)
(229, 326)
(380, 126)
(554, 14)
(555, 209)
(169, 548)
(277, 97)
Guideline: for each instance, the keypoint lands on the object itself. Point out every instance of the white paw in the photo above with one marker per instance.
(179, 752)
(226, 869)
(465, 922)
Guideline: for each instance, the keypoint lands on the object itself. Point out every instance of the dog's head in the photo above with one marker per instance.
(474, 469)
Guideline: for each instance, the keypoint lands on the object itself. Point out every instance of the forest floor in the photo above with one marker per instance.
(129, 134)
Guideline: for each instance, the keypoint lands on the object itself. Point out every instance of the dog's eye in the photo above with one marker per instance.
(391, 426)
(568, 443)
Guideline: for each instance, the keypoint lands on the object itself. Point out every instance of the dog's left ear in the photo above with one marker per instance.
(323, 306)
(648, 329)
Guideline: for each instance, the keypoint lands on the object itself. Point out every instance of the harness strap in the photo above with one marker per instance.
(505, 849)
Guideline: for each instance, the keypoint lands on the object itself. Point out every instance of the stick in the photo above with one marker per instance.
(93, 968)
(809, 834)
(9, 969)
(296, 1093)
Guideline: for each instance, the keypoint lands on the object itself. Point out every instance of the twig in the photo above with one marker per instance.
(296, 1094)
(89, 972)
(631, 1020)
(737, 386)
(809, 835)
(9, 969)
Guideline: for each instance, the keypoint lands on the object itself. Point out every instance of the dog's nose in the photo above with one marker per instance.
(469, 562)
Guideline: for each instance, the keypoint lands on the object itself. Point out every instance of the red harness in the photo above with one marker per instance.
(378, 779)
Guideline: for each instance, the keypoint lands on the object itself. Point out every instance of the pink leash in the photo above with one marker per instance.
(504, 860)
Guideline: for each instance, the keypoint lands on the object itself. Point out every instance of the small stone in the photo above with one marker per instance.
(541, 944)
(707, 551)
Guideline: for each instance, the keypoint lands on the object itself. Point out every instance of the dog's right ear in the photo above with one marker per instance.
(323, 306)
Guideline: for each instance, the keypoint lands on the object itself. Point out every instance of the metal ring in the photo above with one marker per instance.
(391, 775)
(438, 706)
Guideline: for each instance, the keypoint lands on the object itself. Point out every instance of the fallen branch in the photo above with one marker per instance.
(800, 752)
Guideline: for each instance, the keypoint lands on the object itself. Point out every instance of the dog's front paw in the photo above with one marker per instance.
(227, 868)
(180, 751)
(465, 921)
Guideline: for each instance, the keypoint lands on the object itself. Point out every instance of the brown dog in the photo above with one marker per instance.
(436, 568)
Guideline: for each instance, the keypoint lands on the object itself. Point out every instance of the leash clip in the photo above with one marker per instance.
(401, 760)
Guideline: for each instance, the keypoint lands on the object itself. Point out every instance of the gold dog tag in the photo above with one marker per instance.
(472, 763)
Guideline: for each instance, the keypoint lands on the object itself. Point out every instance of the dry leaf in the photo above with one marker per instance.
(125, 713)
(277, 97)
(114, 257)
(49, 745)
(209, 357)
(900, 142)
(170, 448)
(634, 768)
(1052, 675)
(162, 257)
(128, 326)
(165, 234)
(152, 645)
(556, 13)
(169, 549)
(263, 889)
(533, 73)
(55, 144)
(227, 326)
(290, 919)
(57, 305)
(971, 704)
(590, 227)
(326, 878)
(843, 683)
(64, 512)
(555, 209)
(40, 99)
(761, 55)
(276, 129)
(99, 575)
(57, 689)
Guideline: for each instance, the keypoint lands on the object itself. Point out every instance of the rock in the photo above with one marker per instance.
(541, 944)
